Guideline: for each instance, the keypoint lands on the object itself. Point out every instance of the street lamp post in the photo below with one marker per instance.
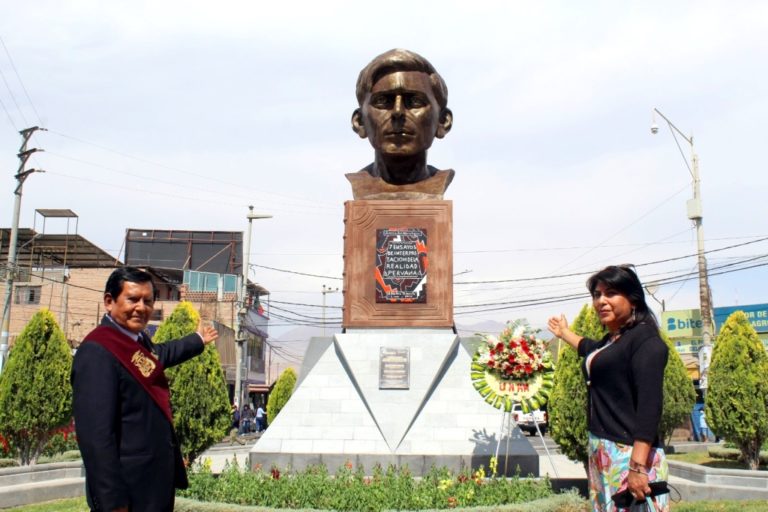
(326, 291)
(695, 213)
(242, 293)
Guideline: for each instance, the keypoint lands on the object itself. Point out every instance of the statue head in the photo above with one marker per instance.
(402, 108)
(399, 59)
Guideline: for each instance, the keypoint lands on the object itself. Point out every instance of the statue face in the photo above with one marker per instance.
(400, 116)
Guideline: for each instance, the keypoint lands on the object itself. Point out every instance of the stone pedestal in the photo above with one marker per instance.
(395, 387)
(338, 413)
(364, 263)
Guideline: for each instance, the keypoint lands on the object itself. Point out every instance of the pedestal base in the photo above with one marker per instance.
(338, 414)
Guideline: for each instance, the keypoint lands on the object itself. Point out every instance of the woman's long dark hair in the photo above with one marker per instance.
(623, 279)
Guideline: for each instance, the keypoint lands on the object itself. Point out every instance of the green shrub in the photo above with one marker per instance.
(281, 393)
(8, 463)
(679, 393)
(35, 393)
(568, 402)
(721, 452)
(67, 456)
(736, 402)
(352, 489)
(201, 410)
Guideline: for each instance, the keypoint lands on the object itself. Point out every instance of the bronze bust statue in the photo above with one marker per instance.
(402, 108)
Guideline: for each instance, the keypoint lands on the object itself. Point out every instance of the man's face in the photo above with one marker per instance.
(400, 115)
(133, 307)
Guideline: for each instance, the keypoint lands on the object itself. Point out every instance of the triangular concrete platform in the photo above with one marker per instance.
(338, 413)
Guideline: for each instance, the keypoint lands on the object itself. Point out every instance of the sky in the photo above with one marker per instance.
(178, 115)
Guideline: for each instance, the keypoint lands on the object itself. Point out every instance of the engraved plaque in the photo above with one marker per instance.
(394, 368)
(401, 265)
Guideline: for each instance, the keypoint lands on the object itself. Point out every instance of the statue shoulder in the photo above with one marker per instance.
(365, 186)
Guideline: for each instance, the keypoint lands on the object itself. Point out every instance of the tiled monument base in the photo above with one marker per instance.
(339, 414)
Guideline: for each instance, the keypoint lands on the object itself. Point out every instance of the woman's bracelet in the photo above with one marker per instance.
(636, 470)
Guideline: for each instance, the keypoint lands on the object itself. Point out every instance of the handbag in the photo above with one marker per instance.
(624, 499)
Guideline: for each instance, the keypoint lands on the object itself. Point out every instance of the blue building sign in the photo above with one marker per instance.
(757, 314)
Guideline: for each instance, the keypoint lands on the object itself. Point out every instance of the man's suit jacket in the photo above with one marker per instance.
(129, 448)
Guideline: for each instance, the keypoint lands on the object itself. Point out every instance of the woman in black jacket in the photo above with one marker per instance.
(624, 373)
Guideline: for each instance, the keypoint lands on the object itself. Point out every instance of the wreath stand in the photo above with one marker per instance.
(507, 427)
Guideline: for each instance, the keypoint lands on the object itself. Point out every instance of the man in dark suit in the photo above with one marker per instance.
(121, 402)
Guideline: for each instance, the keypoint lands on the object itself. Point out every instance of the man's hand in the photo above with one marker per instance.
(208, 333)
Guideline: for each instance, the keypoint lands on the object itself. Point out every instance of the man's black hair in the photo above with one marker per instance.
(115, 282)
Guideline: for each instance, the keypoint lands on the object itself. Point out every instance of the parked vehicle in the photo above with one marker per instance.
(527, 421)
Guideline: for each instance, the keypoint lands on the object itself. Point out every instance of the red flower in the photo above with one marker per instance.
(275, 473)
(452, 502)
(499, 347)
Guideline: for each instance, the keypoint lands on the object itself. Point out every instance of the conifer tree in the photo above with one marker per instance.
(281, 393)
(201, 410)
(568, 402)
(679, 393)
(736, 402)
(35, 393)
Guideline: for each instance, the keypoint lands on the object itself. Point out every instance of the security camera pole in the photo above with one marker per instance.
(695, 213)
(10, 272)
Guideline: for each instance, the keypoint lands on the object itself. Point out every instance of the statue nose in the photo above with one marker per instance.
(398, 107)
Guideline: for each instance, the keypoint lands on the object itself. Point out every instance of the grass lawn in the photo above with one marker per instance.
(721, 506)
(703, 459)
(78, 505)
(69, 505)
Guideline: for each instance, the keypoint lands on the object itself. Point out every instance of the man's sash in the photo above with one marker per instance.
(140, 363)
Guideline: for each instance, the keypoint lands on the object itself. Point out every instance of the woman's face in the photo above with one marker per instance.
(612, 307)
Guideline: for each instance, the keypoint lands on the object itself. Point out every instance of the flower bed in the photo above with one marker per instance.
(352, 489)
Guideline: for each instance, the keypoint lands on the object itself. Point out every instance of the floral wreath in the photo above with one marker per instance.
(514, 368)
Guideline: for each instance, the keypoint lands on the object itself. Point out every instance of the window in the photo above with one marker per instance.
(27, 295)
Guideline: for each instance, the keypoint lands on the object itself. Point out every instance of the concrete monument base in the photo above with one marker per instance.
(338, 413)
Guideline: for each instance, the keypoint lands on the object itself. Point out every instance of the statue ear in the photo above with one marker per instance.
(357, 124)
(445, 123)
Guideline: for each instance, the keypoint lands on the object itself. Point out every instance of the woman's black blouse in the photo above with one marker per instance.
(626, 385)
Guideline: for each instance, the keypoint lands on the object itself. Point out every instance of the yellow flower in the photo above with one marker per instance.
(445, 484)
(493, 465)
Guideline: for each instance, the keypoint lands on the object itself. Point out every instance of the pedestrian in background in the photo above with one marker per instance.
(261, 417)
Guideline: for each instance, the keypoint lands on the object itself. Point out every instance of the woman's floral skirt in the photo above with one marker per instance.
(608, 471)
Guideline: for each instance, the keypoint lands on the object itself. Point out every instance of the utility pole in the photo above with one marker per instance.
(695, 213)
(326, 291)
(242, 294)
(10, 272)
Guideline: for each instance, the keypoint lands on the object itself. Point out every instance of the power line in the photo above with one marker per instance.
(576, 274)
(569, 298)
(624, 228)
(272, 301)
(21, 82)
(295, 272)
(8, 114)
(187, 172)
(154, 180)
